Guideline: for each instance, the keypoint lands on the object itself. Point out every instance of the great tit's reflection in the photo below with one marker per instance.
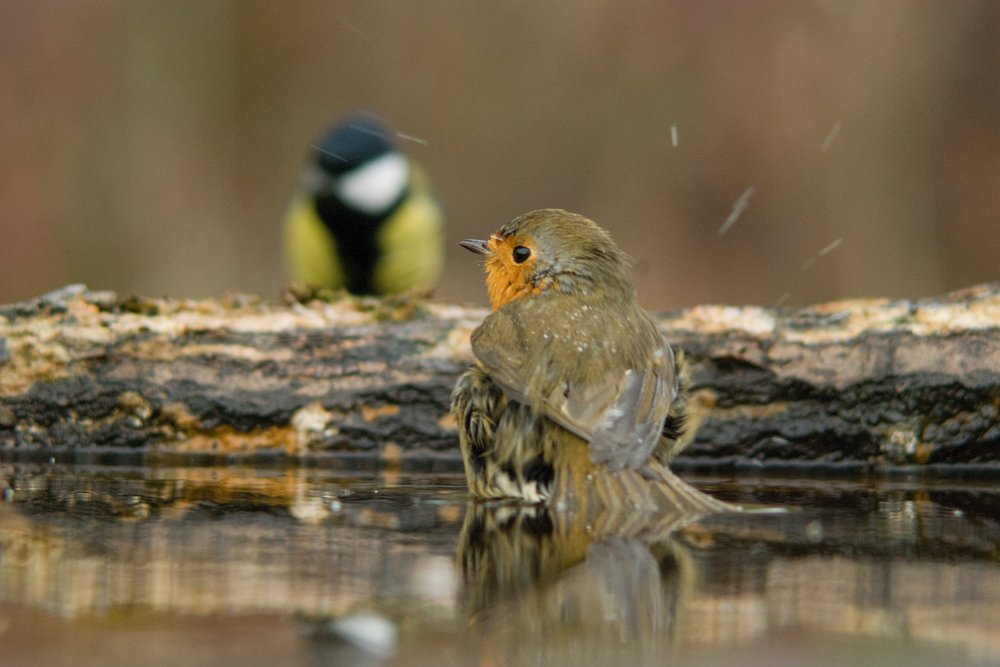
(551, 587)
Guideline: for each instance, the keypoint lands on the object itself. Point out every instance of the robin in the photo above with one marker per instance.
(576, 397)
(365, 219)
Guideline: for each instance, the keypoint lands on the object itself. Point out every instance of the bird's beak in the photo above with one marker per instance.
(476, 246)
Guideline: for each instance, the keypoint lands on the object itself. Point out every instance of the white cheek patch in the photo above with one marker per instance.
(373, 187)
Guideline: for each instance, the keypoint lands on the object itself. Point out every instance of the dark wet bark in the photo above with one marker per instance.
(853, 386)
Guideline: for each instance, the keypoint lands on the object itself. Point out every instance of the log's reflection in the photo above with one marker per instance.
(197, 542)
(552, 587)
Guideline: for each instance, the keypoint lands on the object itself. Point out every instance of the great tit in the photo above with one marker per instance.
(365, 219)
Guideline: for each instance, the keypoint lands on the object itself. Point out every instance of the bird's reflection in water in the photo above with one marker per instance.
(549, 587)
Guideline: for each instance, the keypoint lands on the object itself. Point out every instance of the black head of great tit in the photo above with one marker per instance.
(365, 219)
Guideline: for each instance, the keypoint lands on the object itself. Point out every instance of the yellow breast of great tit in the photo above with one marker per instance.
(409, 245)
(310, 249)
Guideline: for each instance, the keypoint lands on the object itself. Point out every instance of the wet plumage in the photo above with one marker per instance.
(576, 396)
(364, 219)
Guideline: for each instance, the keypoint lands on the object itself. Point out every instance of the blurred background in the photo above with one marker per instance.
(151, 146)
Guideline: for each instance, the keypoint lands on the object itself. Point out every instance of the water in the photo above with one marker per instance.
(243, 566)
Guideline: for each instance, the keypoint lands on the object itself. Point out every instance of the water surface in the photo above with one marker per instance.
(227, 566)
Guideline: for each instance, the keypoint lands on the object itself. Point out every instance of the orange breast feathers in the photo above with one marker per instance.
(507, 280)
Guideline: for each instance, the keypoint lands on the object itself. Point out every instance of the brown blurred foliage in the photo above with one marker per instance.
(151, 147)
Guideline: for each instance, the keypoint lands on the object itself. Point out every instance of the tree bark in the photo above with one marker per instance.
(867, 385)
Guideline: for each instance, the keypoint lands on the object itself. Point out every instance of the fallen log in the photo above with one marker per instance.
(864, 385)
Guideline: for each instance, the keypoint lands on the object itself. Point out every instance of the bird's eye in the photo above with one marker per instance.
(521, 254)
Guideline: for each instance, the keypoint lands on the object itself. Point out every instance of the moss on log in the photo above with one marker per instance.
(866, 385)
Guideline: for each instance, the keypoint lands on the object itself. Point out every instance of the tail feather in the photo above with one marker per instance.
(626, 495)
